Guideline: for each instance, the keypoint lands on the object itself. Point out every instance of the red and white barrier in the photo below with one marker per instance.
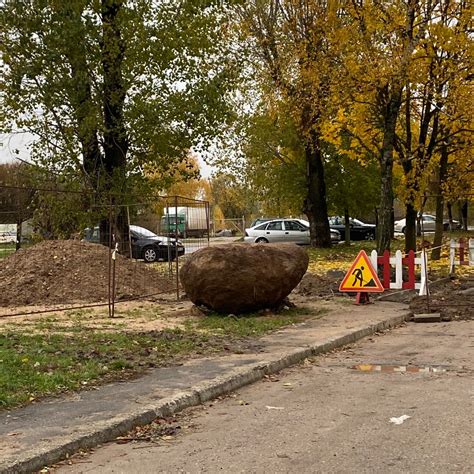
(398, 261)
(466, 253)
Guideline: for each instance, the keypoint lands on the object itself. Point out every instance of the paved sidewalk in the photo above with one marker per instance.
(45, 432)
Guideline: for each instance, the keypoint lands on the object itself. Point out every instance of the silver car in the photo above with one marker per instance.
(428, 224)
(283, 230)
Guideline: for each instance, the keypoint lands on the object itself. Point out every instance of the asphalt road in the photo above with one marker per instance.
(327, 416)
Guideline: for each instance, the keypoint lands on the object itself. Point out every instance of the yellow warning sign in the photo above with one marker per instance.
(361, 276)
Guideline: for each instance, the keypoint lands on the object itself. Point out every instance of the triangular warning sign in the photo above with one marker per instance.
(361, 277)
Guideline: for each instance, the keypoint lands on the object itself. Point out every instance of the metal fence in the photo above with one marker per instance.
(228, 227)
(76, 252)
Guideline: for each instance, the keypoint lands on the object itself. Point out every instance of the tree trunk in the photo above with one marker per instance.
(449, 207)
(410, 227)
(464, 208)
(115, 135)
(390, 101)
(315, 206)
(386, 171)
(385, 208)
(18, 235)
(347, 226)
(81, 97)
(438, 237)
(410, 211)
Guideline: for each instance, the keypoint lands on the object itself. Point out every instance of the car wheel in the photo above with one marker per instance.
(445, 227)
(150, 255)
(369, 236)
(261, 240)
(404, 230)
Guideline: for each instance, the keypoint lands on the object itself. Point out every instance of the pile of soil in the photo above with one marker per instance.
(70, 271)
(319, 286)
(453, 299)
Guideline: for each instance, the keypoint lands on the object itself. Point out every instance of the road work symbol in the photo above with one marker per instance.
(358, 272)
(361, 276)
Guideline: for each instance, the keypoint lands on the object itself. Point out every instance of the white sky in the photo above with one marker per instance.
(10, 142)
(20, 141)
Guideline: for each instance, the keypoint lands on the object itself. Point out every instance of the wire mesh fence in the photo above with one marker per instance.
(75, 252)
(228, 227)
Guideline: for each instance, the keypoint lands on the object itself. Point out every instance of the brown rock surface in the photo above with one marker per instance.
(239, 278)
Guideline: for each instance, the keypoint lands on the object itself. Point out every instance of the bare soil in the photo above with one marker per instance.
(319, 286)
(453, 299)
(131, 316)
(70, 271)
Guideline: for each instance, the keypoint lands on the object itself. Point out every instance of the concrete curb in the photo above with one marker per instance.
(123, 423)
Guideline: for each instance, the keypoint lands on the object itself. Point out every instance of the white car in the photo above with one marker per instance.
(283, 230)
(427, 223)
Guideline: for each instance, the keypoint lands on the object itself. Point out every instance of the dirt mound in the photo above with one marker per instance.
(454, 299)
(70, 271)
(319, 286)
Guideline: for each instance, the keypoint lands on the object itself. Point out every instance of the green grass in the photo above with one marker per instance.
(252, 325)
(6, 249)
(36, 365)
(46, 357)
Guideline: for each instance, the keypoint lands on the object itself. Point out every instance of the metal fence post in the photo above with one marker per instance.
(109, 272)
(176, 251)
(129, 234)
(208, 221)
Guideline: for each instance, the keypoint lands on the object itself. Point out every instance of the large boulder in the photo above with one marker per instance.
(240, 278)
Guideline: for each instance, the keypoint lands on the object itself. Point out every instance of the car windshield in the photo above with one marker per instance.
(341, 221)
(305, 223)
(257, 222)
(142, 232)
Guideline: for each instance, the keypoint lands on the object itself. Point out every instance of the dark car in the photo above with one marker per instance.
(358, 229)
(146, 245)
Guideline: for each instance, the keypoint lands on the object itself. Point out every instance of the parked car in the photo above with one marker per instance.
(283, 230)
(358, 229)
(428, 224)
(261, 220)
(146, 245)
